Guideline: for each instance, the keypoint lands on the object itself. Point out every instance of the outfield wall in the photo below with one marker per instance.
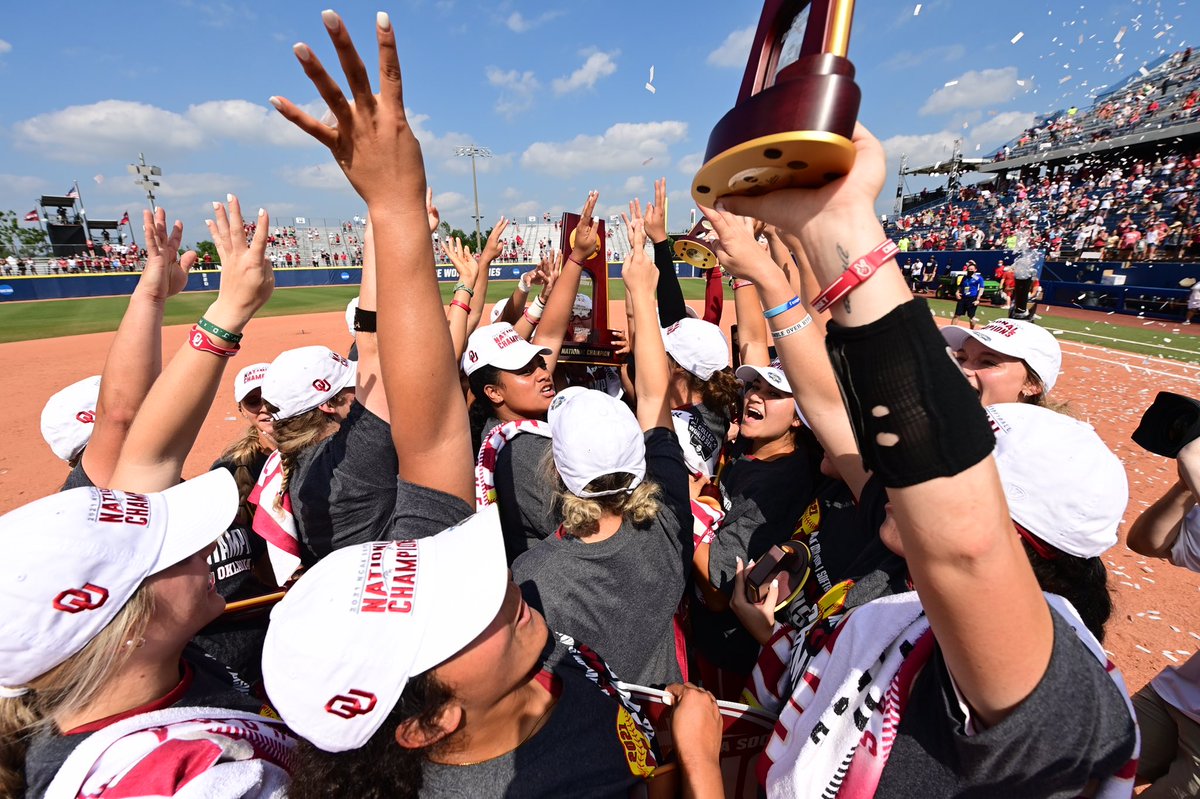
(58, 287)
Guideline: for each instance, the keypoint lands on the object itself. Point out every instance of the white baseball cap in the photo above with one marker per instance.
(301, 379)
(699, 443)
(69, 417)
(501, 346)
(349, 635)
(498, 309)
(591, 435)
(582, 307)
(351, 307)
(1034, 345)
(249, 379)
(698, 346)
(1062, 483)
(73, 559)
(772, 374)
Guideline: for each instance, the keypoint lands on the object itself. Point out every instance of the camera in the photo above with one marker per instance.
(1169, 424)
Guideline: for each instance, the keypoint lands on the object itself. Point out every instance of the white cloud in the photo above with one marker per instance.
(908, 59)
(598, 65)
(109, 128)
(327, 176)
(252, 123)
(690, 164)
(635, 184)
(621, 148)
(211, 185)
(974, 89)
(21, 184)
(998, 130)
(517, 23)
(518, 90)
(438, 150)
(450, 202)
(733, 51)
(5, 47)
(524, 209)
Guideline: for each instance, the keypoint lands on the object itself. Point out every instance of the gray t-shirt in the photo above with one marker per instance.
(343, 489)
(528, 509)
(422, 512)
(77, 478)
(620, 595)
(591, 746)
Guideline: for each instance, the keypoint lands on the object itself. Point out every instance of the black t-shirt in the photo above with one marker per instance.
(1074, 727)
(620, 594)
(343, 487)
(715, 421)
(203, 683)
(763, 501)
(77, 478)
(528, 508)
(589, 748)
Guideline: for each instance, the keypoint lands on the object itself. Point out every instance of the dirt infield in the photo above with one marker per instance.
(1158, 606)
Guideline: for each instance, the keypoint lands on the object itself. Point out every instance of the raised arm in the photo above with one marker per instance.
(963, 555)
(653, 374)
(671, 307)
(1156, 530)
(368, 390)
(375, 146)
(135, 355)
(738, 243)
(165, 429)
(491, 251)
(554, 321)
(463, 305)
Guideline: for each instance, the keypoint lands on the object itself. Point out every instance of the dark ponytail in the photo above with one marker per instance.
(1081, 581)
(481, 409)
(381, 768)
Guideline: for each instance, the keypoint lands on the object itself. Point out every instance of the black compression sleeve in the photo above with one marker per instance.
(914, 414)
(671, 307)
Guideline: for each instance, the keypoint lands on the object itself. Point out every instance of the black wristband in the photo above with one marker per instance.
(364, 321)
(914, 415)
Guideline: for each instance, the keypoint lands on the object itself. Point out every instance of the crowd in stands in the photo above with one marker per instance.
(1131, 210)
(550, 578)
(1163, 97)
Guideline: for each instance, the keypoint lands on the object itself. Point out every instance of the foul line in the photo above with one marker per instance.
(1065, 331)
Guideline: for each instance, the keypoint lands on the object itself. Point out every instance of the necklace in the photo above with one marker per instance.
(537, 725)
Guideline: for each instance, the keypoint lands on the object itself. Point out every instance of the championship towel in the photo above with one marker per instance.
(489, 451)
(845, 691)
(182, 752)
(276, 525)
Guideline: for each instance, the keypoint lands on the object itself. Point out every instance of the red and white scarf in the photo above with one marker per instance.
(275, 523)
(182, 753)
(840, 705)
(489, 451)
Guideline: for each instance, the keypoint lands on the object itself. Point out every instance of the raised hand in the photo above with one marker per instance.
(493, 247)
(585, 239)
(372, 141)
(431, 211)
(695, 725)
(165, 274)
(638, 272)
(635, 217)
(463, 260)
(656, 213)
(550, 268)
(736, 244)
(246, 279)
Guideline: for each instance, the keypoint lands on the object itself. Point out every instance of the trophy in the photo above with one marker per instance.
(796, 110)
(589, 340)
(693, 249)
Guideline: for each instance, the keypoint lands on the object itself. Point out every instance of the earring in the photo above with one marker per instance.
(135, 643)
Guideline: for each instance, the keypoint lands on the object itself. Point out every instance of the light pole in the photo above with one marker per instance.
(472, 151)
(145, 177)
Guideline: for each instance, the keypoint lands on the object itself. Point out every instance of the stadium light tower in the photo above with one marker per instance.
(472, 151)
(145, 177)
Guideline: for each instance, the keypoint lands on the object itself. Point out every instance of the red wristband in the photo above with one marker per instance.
(460, 304)
(201, 342)
(741, 284)
(571, 258)
(856, 275)
(530, 319)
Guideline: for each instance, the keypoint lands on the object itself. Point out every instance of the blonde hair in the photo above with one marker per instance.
(68, 687)
(580, 515)
(242, 453)
(294, 435)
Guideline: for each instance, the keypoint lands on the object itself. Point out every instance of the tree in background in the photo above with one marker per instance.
(468, 239)
(23, 242)
(204, 248)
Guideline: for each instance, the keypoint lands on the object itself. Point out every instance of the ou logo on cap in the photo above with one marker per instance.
(353, 703)
(85, 417)
(321, 385)
(74, 600)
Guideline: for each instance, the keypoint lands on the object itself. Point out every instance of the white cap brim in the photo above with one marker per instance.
(517, 355)
(747, 373)
(198, 512)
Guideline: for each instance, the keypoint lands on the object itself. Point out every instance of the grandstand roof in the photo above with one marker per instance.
(948, 166)
(1073, 152)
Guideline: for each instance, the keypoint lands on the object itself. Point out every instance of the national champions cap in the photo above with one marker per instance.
(346, 639)
(1033, 344)
(301, 379)
(1062, 483)
(591, 435)
(73, 559)
(501, 346)
(69, 417)
(249, 379)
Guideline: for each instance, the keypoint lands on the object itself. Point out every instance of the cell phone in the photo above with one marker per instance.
(788, 562)
(1172, 422)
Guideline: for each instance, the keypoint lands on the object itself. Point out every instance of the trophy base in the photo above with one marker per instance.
(791, 159)
(695, 254)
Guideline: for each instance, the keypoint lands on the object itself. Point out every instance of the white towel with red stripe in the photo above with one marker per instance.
(276, 524)
(489, 451)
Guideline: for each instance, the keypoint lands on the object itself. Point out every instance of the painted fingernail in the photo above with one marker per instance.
(262, 212)
(775, 583)
(383, 21)
(301, 50)
(330, 18)
(216, 205)
(228, 198)
(275, 101)
(208, 222)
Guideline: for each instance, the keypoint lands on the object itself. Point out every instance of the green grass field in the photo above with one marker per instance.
(21, 321)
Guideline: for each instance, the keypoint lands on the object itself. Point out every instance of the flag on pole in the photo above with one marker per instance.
(125, 219)
(73, 194)
(32, 216)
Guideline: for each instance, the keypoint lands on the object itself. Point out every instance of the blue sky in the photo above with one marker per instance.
(556, 91)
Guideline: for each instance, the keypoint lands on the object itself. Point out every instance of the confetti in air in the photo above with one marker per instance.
(650, 83)
(1016, 38)
(917, 10)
